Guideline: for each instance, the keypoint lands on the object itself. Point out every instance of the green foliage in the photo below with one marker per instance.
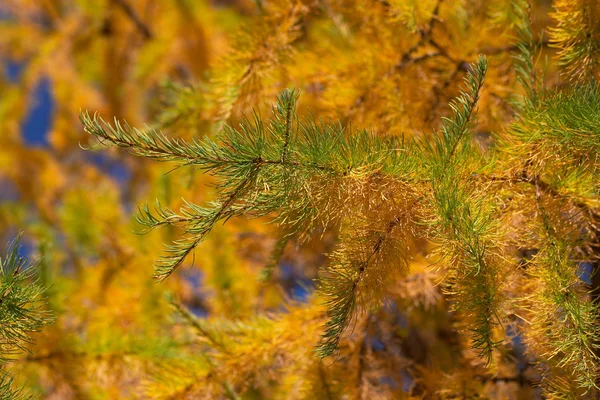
(563, 123)
(8, 391)
(286, 167)
(524, 58)
(464, 224)
(22, 313)
(306, 174)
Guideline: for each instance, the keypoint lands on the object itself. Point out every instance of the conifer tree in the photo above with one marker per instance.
(22, 313)
(381, 194)
(416, 159)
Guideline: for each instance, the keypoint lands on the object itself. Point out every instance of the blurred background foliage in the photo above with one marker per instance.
(187, 67)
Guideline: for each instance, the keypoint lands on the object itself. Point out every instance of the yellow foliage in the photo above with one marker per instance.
(240, 317)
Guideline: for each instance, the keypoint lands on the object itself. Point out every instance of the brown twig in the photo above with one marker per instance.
(131, 14)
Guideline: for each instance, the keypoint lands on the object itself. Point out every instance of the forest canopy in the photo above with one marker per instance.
(300, 199)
